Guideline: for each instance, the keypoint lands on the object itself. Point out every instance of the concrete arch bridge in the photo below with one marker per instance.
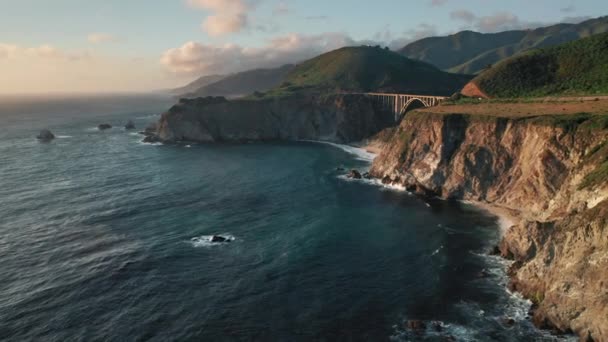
(399, 104)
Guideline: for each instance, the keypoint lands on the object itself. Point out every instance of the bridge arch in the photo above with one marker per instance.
(413, 103)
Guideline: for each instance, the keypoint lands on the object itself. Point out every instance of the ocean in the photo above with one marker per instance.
(105, 238)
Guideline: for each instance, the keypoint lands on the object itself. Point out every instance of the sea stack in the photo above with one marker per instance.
(45, 135)
(130, 125)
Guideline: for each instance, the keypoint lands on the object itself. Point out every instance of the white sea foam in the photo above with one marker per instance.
(63, 136)
(188, 146)
(360, 153)
(205, 240)
(437, 250)
(151, 116)
(149, 144)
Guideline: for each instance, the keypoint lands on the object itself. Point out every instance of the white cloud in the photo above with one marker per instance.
(281, 9)
(195, 59)
(227, 16)
(44, 68)
(437, 3)
(100, 37)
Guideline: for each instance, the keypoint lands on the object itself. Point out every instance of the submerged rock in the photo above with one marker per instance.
(130, 125)
(45, 135)
(415, 325)
(150, 139)
(102, 127)
(354, 174)
(218, 238)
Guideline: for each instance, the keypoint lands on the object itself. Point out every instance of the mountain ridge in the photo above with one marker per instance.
(470, 52)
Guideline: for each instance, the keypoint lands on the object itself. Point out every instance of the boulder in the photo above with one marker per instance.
(217, 238)
(415, 325)
(104, 126)
(45, 135)
(150, 139)
(386, 180)
(508, 321)
(354, 174)
(130, 125)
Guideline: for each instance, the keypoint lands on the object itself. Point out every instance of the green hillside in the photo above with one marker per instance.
(471, 52)
(575, 68)
(365, 69)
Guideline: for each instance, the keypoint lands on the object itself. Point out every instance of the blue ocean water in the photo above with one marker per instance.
(103, 237)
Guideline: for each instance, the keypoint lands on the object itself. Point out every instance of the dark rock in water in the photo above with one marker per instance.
(130, 125)
(508, 321)
(366, 175)
(45, 135)
(217, 238)
(386, 180)
(416, 325)
(354, 174)
(102, 127)
(495, 250)
(437, 326)
(150, 139)
(339, 168)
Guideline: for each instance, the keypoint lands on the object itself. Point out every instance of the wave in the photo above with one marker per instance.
(205, 240)
(63, 136)
(437, 250)
(359, 153)
(377, 182)
(151, 116)
(149, 144)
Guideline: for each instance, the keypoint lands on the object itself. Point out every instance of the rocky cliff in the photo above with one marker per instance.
(337, 118)
(552, 171)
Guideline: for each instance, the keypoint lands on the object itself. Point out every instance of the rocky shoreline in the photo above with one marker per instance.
(534, 171)
(531, 171)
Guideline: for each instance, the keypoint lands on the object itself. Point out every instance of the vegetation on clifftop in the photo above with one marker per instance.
(575, 68)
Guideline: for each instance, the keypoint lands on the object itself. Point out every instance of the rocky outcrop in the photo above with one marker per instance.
(45, 135)
(337, 118)
(471, 89)
(552, 171)
(104, 126)
(130, 125)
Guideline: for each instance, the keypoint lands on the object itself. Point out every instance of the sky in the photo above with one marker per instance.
(50, 46)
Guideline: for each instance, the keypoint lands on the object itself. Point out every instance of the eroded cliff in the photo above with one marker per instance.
(337, 118)
(552, 171)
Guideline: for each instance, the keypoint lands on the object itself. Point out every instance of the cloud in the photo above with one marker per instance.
(499, 21)
(45, 51)
(463, 15)
(44, 68)
(195, 59)
(568, 9)
(228, 16)
(316, 17)
(99, 37)
(281, 9)
(437, 3)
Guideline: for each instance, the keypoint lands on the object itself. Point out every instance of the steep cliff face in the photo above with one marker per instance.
(550, 170)
(336, 118)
